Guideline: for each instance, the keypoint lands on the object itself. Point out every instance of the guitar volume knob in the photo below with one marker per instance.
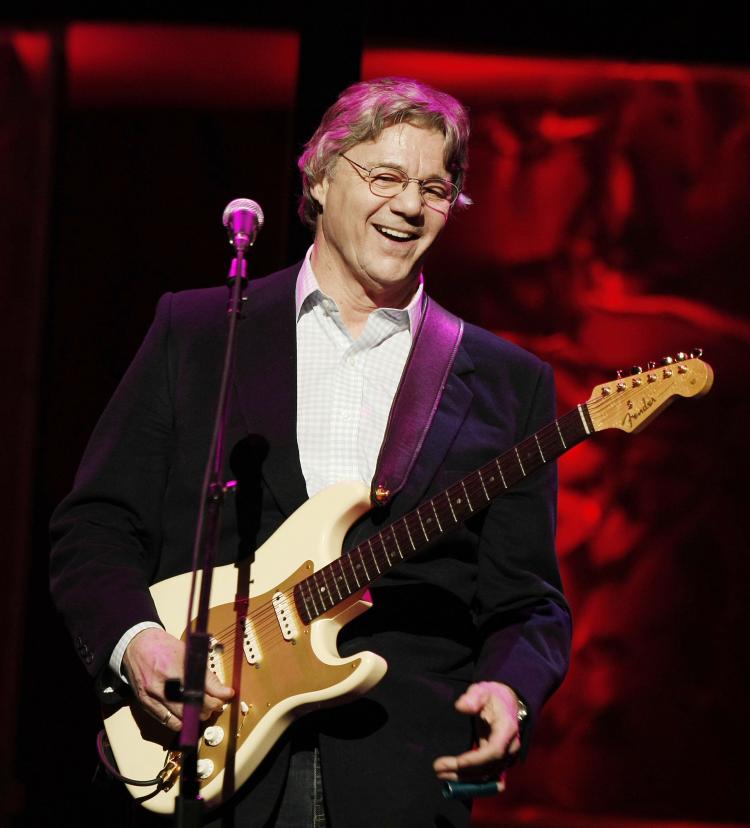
(205, 768)
(213, 735)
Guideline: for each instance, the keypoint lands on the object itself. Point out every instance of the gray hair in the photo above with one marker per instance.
(363, 111)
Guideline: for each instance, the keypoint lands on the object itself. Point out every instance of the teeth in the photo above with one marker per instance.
(395, 234)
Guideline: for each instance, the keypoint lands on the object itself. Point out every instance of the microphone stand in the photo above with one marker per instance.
(189, 804)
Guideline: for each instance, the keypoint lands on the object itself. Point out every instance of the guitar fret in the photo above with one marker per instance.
(343, 572)
(523, 471)
(434, 511)
(374, 559)
(424, 531)
(540, 449)
(385, 549)
(583, 419)
(326, 587)
(395, 538)
(322, 591)
(481, 480)
(354, 569)
(364, 565)
(500, 469)
(312, 598)
(304, 599)
(448, 498)
(562, 439)
(406, 526)
(335, 580)
(471, 508)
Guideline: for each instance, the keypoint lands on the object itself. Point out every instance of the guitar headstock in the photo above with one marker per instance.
(630, 402)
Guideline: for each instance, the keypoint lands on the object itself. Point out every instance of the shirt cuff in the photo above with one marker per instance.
(115, 660)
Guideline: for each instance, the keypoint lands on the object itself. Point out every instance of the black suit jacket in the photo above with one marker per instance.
(482, 604)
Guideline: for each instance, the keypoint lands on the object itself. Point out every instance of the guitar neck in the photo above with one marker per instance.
(411, 533)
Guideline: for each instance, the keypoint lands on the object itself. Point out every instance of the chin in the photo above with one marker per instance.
(393, 277)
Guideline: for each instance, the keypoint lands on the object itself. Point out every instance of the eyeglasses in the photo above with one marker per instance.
(390, 181)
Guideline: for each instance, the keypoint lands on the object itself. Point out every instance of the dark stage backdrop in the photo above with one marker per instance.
(610, 227)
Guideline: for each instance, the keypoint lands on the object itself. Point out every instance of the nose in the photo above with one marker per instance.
(409, 201)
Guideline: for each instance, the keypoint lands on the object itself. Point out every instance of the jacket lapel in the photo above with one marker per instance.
(266, 383)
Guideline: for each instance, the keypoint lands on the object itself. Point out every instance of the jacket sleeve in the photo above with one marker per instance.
(522, 616)
(106, 532)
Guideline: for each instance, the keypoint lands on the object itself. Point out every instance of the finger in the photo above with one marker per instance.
(216, 695)
(171, 721)
(488, 758)
(473, 700)
(216, 689)
(169, 718)
(153, 699)
(483, 759)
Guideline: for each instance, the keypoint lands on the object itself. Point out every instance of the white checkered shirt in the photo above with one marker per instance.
(345, 386)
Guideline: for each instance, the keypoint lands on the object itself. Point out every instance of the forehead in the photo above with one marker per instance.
(418, 150)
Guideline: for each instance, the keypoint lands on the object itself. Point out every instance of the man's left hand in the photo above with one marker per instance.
(496, 707)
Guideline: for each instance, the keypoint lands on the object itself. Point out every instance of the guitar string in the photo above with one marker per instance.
(266, 618)
(472, 488)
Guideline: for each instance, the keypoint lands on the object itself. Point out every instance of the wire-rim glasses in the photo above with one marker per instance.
(390, 181)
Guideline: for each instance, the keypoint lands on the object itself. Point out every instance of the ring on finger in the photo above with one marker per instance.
(167, 717)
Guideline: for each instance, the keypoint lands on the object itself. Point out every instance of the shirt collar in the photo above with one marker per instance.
(308, 293)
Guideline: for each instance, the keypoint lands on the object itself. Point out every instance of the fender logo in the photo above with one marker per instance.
(632, 417)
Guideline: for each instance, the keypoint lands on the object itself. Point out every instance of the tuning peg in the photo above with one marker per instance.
(619, 373)
(667, 360)
(696, 353)
(650, 365)
(636, 369)
(681, 356)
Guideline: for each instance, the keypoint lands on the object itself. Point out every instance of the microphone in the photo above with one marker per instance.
(243, 219)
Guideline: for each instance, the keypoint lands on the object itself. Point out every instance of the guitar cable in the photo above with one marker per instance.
(104, 749)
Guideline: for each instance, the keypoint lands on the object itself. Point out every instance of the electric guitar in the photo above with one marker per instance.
(274, 626)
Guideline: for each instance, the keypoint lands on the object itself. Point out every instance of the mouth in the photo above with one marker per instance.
(395, 235)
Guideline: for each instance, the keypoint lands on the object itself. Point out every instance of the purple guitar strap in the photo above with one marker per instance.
(430, 360)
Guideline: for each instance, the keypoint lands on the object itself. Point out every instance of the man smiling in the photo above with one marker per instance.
(475, 631)
(370, 241)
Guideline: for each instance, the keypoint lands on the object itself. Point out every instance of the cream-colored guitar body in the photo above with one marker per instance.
(279, 667)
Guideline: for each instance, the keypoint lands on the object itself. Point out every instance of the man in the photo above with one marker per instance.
(477, 627)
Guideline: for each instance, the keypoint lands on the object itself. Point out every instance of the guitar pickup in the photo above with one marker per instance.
(216, 659)
(284, 616)
(250, 644)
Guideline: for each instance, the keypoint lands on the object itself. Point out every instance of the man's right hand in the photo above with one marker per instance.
(151, 658)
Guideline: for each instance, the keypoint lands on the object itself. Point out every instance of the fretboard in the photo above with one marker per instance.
(410, 534)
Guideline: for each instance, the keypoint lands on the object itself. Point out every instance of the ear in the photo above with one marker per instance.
(320, 190)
